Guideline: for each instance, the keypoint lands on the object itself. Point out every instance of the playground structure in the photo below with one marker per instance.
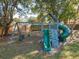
(48, 31)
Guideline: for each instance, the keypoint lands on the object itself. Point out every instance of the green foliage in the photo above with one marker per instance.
(63, 9)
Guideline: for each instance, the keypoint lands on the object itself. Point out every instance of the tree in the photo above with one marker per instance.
(7, 14)
(63, 9)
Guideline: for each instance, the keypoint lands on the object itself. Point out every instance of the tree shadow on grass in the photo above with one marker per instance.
(71, 51)
(20, 49)
(28, 49)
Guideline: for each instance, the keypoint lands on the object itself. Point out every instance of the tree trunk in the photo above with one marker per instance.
(6, 30)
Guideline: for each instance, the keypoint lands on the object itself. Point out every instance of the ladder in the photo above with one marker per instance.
(53, 36)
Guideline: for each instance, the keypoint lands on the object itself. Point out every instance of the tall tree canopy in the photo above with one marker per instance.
(7, 8)
(63, 9)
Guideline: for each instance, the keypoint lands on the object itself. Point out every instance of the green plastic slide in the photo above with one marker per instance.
(46, 40)
(66, 31)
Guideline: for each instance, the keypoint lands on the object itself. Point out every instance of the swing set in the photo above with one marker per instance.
(49, 32)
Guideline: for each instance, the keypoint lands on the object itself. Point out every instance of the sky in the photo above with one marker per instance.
(23, 12)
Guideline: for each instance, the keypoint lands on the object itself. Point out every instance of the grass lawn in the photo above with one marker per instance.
(28, 50)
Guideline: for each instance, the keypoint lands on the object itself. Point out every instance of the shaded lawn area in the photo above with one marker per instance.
(28, 50)
(70, 51)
